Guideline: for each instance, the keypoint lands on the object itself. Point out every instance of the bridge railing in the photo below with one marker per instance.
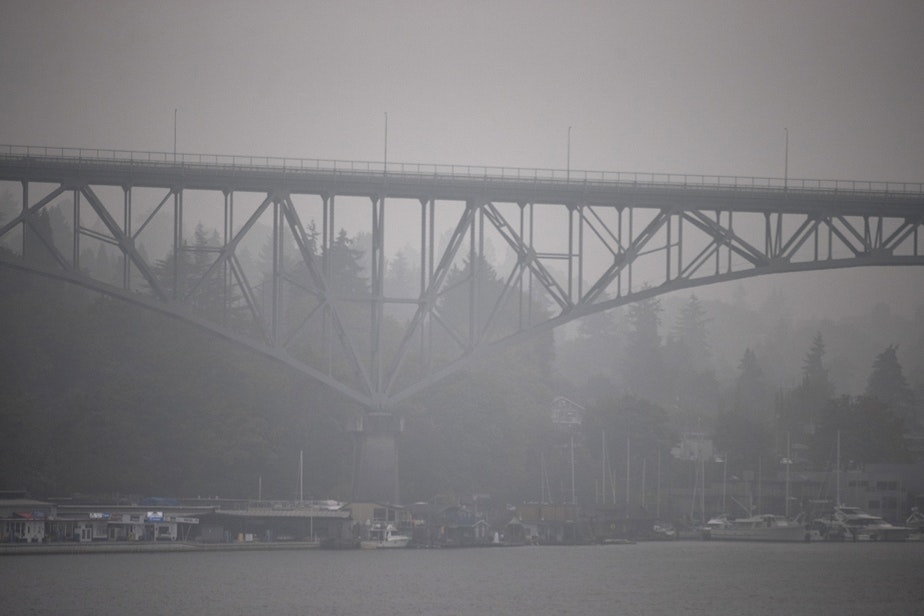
(462, 172)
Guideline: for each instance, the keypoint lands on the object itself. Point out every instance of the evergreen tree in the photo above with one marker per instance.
(689, 340)
(644, 366)
(814, 374)
(799, 409)
(345, 266)
(870, 433)
(751, 397)
(888, 385)
(688, 377)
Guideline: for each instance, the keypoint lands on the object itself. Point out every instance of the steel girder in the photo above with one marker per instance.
(574, 246)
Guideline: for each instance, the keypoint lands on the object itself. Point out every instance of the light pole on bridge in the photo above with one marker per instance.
(568, 162)
(786, 162)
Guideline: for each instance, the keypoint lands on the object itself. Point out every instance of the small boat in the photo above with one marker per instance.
(764, 527)
(854, 524)
(384, 536)
(915, 522)
(663, 531)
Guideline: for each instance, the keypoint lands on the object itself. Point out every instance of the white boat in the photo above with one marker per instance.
(857, 525)
(384, 536)
(915, 522)
(764, 527)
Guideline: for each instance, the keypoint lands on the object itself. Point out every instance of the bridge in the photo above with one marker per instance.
(577, 242)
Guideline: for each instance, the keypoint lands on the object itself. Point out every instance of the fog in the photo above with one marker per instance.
(698, 88)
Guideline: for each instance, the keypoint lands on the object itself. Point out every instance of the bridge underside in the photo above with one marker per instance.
(437, 268)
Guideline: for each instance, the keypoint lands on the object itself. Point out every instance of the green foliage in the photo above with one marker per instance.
(751, 393)
(869, 433)
(644, 362)
(799, 408)
(888, 385)
(102, 397)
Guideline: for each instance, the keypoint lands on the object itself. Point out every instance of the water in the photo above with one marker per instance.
(646, 578)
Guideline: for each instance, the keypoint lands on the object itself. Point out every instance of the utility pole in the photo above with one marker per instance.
(568, 171)
(786, 163)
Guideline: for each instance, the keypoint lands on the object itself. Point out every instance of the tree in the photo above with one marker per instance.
(888, 385)
(744, 432)
(799, 409)
(743, 438)
(344, 262)
(751, 397)
(689, 338)
(644, 367)
(688, 376)
(869, 431)
(814, 374)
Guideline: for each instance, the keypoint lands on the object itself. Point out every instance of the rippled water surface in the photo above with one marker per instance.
(646, 578)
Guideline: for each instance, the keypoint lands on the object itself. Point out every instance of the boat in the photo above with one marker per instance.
(763, 527)
(854, 524)
(915, 522)
(663, 531)
(384, 536)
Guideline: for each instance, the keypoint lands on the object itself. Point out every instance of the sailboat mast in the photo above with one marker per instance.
(628, 479)
(837, 472)
(603, 469)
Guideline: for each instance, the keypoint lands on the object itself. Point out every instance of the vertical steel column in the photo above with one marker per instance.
(667, 247)
(177, 241)
(728, 247)
(327, 223)
(778, 246)
(127, 232)
(275, 283)
(679, 244)
(24, 207)
(631, 243)
(620, 251)
(227, 233)
(472, 278)
(571, 215)
(75, 258)
(532, 255)
(521, 263)
(580, 255)
(378, 290)
(427, 247)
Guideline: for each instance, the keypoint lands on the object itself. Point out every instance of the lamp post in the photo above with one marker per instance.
(174, 134)
(786, 162)
(385, 169)
(568, 163)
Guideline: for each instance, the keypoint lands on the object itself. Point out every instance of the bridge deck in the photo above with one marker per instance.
(456, 182)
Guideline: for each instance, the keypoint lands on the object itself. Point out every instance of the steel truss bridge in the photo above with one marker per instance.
(577, 242)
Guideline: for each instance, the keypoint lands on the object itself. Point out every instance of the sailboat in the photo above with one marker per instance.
(843, 522)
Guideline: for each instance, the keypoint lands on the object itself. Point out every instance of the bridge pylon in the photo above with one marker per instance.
(375, 466)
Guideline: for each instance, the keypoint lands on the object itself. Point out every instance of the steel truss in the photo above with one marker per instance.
(580, 244)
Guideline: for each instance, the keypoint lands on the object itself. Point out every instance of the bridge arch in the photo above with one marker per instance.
(576, 244)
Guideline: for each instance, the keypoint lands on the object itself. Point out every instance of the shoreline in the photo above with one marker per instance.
(129, 547)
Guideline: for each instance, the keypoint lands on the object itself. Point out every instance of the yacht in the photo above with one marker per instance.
(384, 536)
(764, 527)
(854, 524)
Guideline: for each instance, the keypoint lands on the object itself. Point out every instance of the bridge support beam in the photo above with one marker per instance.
(375, 466)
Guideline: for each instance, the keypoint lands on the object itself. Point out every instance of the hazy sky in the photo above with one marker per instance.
(683, 87)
